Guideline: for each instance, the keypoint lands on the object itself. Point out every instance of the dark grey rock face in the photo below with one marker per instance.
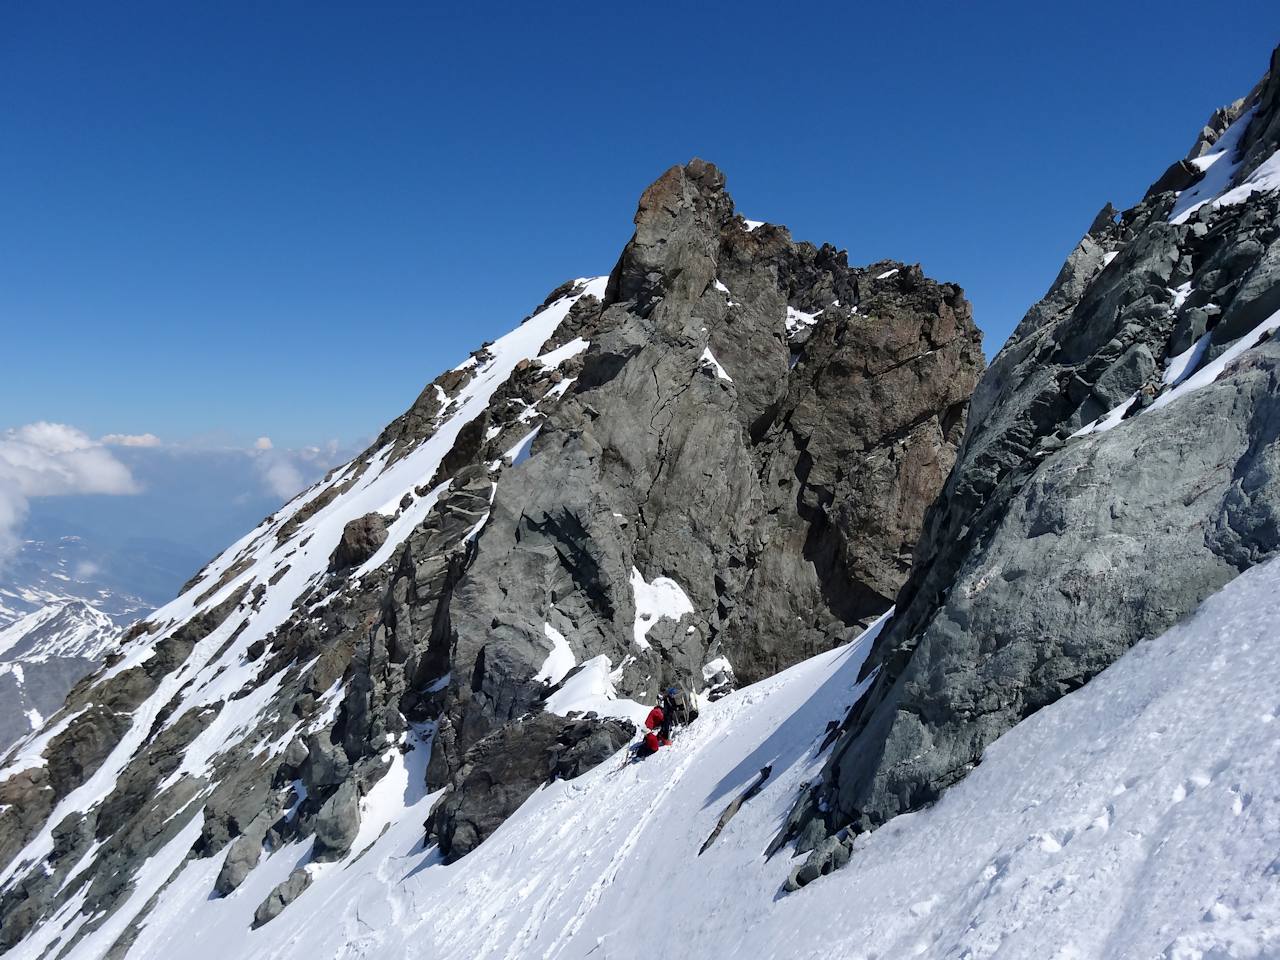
(783, 495)
(501, 771)
(1049, 554)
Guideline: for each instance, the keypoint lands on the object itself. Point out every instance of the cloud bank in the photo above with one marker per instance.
(49, 460)
(132, 440)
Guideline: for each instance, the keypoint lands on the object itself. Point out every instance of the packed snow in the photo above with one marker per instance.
(728, 297)
(1137, 817)
(796, 320)
(590, 689)
(716, 666)
(887, 274)
(1212, 370)
(661, 599)
(1188, 359)
(1218, 165)
(553, 358)
(1262, 180)
(522, 449)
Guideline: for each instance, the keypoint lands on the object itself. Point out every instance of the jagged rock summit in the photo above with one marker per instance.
(1120, 465)
(709, 465)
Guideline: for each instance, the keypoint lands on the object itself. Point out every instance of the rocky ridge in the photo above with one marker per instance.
(1120, 465)
(711, 464)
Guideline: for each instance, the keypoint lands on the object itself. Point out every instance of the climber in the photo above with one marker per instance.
(653, 723)
(661, 721)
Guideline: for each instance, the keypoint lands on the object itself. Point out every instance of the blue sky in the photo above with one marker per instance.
(282, 219)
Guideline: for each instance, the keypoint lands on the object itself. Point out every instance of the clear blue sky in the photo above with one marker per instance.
(284, 218)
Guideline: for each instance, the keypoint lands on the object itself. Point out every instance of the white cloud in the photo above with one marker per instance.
(281, 477)
(287, 471)
(49, 460)
(131, 440)
(86, 569)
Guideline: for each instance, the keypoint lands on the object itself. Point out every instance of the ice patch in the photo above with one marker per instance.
(559, 661)
(708, 360)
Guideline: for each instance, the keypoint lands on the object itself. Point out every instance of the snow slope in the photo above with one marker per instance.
(1137, 817)
(288, 553)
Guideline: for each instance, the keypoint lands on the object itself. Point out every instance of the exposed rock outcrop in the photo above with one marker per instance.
(501, 771)
(361, 539)
(779, 486)
(283, 895)
(1115, 472)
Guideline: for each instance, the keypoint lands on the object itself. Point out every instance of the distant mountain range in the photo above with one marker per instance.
(91, 564)
(59, 615)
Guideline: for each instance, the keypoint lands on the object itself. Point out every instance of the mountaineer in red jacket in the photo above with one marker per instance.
(653, 723)
(660, 721)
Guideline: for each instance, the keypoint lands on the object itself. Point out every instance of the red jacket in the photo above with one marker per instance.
(655, 718)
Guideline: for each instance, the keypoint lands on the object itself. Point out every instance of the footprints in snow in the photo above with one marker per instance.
(1197, 781)
(1054, 841)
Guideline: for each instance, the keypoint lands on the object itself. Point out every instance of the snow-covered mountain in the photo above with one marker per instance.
(390, 719)
(47, 573)
(58, 620)
(698, 470)
(1136, 818)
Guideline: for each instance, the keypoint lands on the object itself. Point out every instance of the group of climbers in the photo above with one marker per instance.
(673, 709)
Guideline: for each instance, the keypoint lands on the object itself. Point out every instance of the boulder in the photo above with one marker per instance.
(504, 769)
(280, 897)
(337, 823)
(361, 539)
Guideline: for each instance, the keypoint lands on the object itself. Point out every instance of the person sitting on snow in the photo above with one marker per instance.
(662, 720)
(653, 723)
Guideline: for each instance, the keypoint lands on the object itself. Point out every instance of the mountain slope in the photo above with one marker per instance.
(1136, 818)
(715, 459)
(1120, 466)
